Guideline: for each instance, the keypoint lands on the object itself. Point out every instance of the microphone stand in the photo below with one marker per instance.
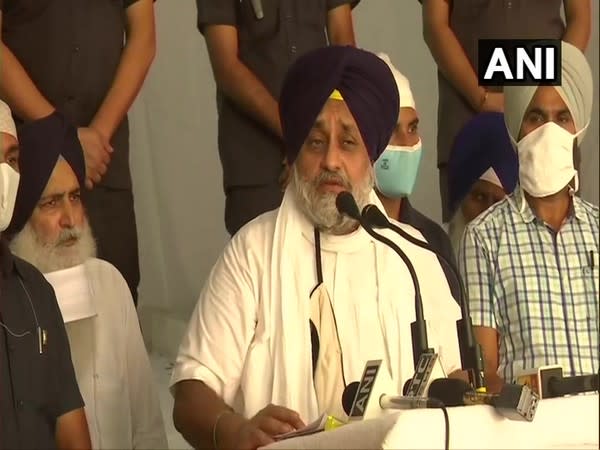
(347, 205)
(470, 351)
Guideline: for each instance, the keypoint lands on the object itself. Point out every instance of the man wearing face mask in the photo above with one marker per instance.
(530, 262)
(396, 172)
(40, 402)
(482, 170)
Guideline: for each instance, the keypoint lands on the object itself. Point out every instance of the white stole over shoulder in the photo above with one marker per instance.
(288, 311)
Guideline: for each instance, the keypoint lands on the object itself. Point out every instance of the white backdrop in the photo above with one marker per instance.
(175, 165)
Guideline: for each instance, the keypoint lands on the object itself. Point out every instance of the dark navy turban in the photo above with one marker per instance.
(41, 143)
(482, 143)
(365, 83)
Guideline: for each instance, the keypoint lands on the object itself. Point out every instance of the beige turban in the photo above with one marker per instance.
(7, 124)
(406, 97)
(576, 90)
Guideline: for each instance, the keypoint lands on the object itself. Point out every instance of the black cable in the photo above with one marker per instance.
(439, 404)
(447, 422)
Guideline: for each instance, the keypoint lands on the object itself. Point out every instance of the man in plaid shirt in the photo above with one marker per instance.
(530, 262)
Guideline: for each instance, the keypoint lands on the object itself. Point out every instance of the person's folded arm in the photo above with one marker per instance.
(237, 81)
(578, 15)
(448, 53)
(340, 28)
(17, 88)
(138, 54)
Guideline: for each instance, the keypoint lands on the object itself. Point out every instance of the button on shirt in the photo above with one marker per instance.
(538, 288)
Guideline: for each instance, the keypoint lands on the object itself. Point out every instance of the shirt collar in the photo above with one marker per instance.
(521, 206)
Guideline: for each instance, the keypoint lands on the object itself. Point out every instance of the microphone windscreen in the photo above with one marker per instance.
(450, 391)
(346, 204)
(349, 395)
(375, 217)
(406, 386)
(573, 385)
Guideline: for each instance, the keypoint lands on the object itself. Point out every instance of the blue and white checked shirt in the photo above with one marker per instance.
(537, 288)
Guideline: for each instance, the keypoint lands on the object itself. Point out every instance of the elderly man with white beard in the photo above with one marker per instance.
(50, 230)
(302, 297)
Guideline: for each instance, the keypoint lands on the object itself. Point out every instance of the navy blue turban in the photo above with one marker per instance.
(41, 143)
(365, 83)
(482, 143)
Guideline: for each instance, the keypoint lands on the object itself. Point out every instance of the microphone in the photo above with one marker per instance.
(258, 8)
(515, 401)
(367, 399)
(470, 351)
(549, 382)
(346, 204)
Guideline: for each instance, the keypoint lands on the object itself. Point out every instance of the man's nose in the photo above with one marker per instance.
(332, 158)
(67, 218)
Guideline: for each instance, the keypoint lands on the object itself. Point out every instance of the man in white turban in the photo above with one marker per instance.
(396, 171)
(530, 262)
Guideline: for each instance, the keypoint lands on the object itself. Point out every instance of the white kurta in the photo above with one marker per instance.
(112, 366)
(248, 338)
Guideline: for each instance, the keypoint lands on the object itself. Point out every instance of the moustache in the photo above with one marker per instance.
(333, 177)
(67, 235)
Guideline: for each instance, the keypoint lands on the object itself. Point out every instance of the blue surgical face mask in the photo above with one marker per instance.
(396, 170)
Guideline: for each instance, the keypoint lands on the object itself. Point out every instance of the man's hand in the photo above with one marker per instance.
(285, 176)
(97, 153)
(259, 431)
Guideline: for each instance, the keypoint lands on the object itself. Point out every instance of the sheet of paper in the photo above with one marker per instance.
(313, 427)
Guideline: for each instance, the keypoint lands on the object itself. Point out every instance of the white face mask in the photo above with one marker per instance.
(9, 183)
(546, 160)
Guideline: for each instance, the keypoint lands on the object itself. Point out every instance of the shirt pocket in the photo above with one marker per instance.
(258, 29)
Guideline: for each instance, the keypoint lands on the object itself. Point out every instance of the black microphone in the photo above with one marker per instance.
(573, 385)
(346, 204)
(389, 401)
(470, 350)
(367, 399)
(549, 382)
(349, 395)
(515, 401)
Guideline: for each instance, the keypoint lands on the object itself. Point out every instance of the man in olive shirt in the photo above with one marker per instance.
(40, 403)
(452, 29)
(251, 43)
(88, 59)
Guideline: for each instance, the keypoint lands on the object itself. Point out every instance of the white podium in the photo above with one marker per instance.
(565, 423)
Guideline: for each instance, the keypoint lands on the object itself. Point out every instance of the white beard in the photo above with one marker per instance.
(52, 256)
(321, 209)
(456, 229)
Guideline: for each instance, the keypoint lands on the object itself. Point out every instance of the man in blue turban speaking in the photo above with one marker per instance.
(302, 297)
